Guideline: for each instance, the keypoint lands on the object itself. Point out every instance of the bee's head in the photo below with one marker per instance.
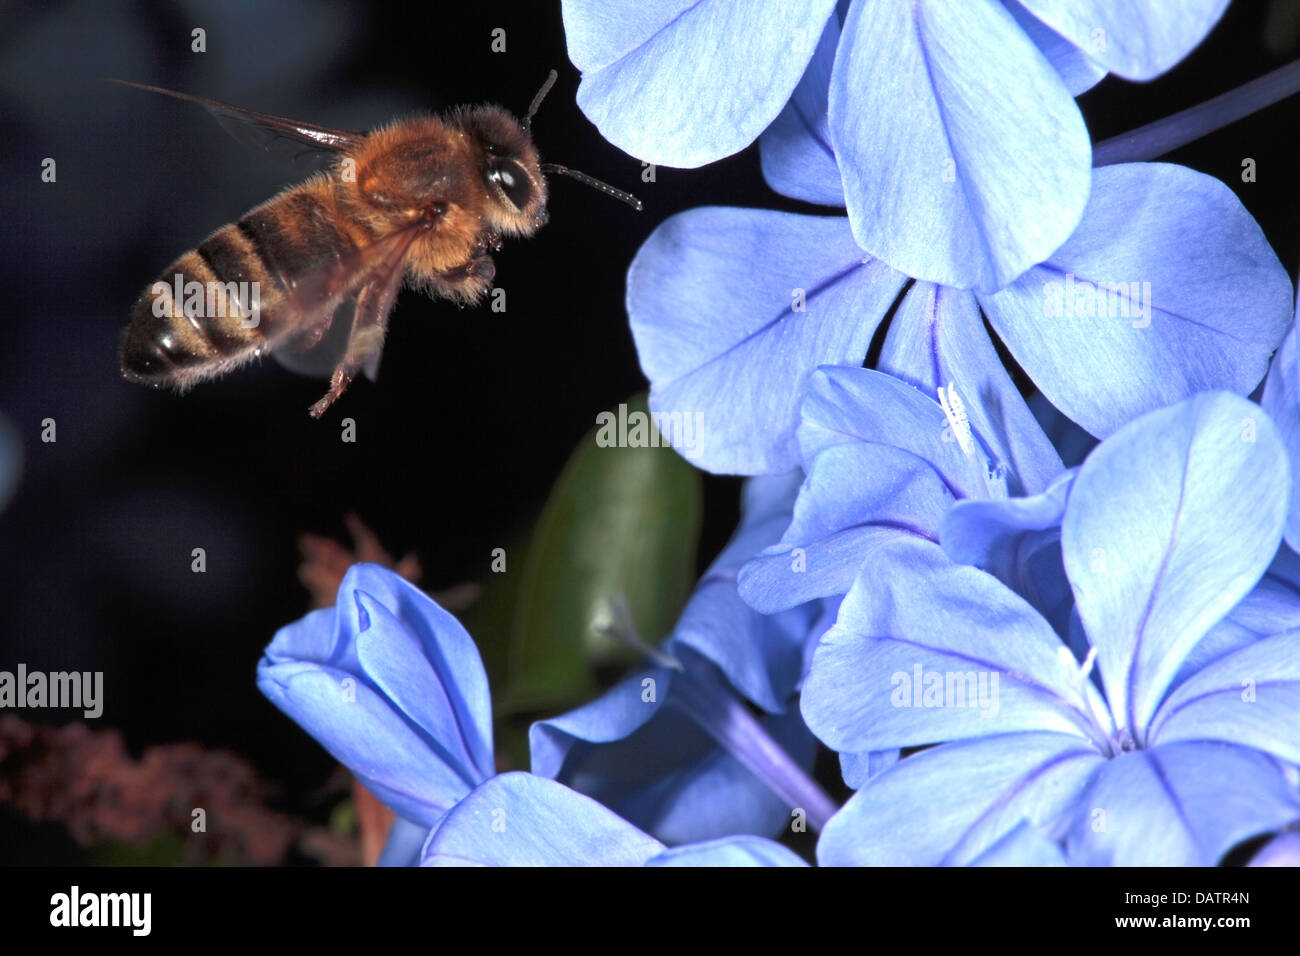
(511, 170)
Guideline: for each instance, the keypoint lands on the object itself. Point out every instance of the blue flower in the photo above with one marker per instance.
(661, 748)
(393, 687)
(1166, 288)
(1168, 525)
(963, 156)
(885, 461)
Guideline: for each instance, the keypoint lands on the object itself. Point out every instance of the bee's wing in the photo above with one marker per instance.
(320, 360)
(329, 294)
(303, 143)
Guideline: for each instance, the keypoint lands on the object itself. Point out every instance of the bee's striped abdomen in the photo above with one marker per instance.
(227, 301)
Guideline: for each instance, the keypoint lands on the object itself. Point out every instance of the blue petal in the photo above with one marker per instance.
(615, 715)
(425, 661)
(925, 650)
(761, 655)
(797, 156)
(856, 500)
(1212, 301)
(882, 460)
(961, 166)
(1077, 71)
(687, 82)
(1018, 541)
(950, 804)
(1023, 846)
(732, 851)
(319, 637)
(391, 657)
(1225, 637)
(362, 731)
(1180, 804)
(1273, 607)
(1171, 522)
(1250, 697)
(712, 300)
(518, 819)
(1139, 39)
(937, 339)
(982, 532)
(404, 844)
(1281, 400)
(862, 405)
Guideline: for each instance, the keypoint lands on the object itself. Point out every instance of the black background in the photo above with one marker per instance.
(474, 412)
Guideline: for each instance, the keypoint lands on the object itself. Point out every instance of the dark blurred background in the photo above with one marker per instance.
(474, 412)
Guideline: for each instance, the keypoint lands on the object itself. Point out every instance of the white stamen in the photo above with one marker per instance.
(955, 412)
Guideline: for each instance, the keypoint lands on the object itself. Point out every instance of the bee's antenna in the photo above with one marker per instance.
(594, 183)
(537, 100)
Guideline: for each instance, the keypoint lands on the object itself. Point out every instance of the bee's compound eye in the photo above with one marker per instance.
(511, 179)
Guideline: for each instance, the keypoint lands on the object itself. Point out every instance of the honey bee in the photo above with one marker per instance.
(422, 202)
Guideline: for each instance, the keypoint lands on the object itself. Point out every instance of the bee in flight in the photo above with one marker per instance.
(422, 201)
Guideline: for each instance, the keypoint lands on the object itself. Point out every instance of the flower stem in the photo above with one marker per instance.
(1165, 135)
(726, 719)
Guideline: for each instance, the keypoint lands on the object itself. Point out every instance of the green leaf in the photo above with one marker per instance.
(621, 523)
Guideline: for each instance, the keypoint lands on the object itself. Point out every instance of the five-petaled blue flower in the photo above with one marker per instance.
(1170, 739)
(885, 461)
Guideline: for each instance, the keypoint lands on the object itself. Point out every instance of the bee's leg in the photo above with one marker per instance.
(339, 383)
(365, 342)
